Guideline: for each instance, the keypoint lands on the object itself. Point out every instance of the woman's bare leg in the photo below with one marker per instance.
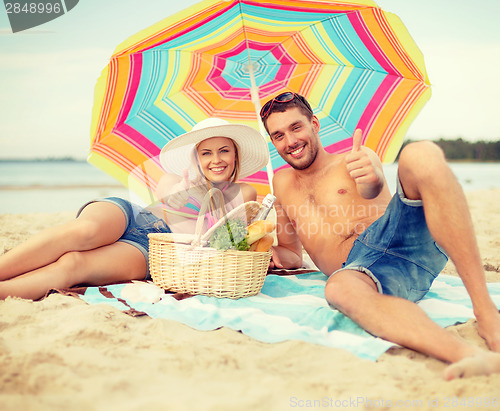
(109, 264)
(99, 224)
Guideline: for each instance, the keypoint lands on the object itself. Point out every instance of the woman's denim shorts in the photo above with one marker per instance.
(140, 223)
(397, 251)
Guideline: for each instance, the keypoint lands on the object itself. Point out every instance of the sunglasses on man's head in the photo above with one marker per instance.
(282, 98)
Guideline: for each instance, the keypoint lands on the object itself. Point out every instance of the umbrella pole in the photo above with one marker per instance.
(254, 93)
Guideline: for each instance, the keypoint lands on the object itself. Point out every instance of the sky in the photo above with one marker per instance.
(48, 73)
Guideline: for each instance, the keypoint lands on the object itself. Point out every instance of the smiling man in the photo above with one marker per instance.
(381, 252)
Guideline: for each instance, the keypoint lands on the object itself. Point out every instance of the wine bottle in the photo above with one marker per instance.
(264, 209)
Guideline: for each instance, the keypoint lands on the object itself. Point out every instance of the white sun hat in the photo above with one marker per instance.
(253, 152)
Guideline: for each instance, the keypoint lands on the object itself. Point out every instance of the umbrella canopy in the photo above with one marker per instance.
(355, 63)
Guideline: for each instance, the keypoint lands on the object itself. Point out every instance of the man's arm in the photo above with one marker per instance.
(288, 252)
(365, 169)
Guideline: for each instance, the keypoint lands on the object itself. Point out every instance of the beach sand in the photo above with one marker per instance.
(60, 353)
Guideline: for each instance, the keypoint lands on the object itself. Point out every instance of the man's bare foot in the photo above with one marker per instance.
(485, 363)
(488, 328)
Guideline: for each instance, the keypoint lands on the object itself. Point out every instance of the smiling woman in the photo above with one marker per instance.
(214, 154)
(218, 159)
(112, 229)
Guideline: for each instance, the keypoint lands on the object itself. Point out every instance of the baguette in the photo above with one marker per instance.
(263, 245)
(259, 229)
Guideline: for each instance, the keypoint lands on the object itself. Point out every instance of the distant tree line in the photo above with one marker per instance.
(460, 149)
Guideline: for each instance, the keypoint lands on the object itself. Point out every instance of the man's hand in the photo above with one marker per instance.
(362, 169)
(179, 193)
(275, 260)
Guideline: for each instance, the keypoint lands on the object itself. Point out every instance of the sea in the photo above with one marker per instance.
(54, 186)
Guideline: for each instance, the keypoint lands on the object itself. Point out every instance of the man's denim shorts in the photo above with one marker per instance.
(140, 223)
(397, 251)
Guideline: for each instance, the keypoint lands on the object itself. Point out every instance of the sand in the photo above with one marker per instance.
(60, 353)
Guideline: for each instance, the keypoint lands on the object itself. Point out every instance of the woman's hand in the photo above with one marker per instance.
(178, 195)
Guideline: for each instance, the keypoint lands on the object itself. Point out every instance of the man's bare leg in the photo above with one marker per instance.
(425, 175)
(403, 322)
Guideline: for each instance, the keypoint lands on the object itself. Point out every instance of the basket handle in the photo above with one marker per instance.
(210, 195)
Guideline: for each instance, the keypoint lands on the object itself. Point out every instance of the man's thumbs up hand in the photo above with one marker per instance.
(356, 141)
(358, 163)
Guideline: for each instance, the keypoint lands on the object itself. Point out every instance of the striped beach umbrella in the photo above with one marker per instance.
(355, 63)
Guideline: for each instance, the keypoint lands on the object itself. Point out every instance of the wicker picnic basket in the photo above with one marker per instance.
(180, 262)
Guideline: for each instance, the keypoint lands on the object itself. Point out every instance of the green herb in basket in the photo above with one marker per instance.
(230, 236)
